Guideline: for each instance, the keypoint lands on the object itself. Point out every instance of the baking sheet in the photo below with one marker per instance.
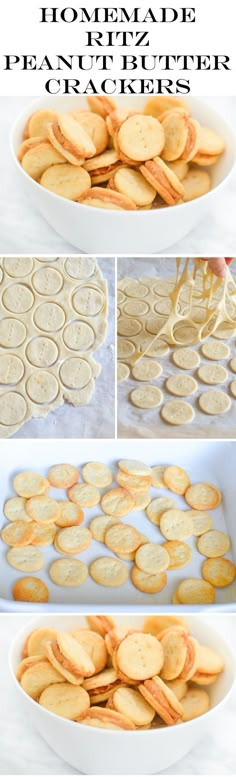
(203, 460)
(86, 421)
(134, 422)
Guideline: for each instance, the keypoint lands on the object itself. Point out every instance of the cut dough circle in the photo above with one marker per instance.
(128, 326)
(12, 332)
(78, 336)
(136, 289)
(42, 352)
(212, 374)
(233, 388)
(177, 412)
(80, 267)
(12, 408)
(146, 370)
(125, 348)
(123, 372)
(186, 358)
(215, 351)
(49, 316)
(214, 402)
(181, 385)
(47, 281)
(18, 298)
(88, 301)
(18, 267)
(232, 364)
(42, 387)
(75, 373)
(11, 369)
(146, 397)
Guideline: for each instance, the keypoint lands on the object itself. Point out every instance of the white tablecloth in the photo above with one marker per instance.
(23, 230)
(22, 751)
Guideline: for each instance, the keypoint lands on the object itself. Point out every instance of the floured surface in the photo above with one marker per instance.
(133, 422)
(53, 317)
(202, 461)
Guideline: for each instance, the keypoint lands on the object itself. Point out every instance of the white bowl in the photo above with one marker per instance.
(98, 751)
(95, 230)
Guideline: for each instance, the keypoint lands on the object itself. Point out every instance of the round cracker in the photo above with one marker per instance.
(63, 475)
(28, 559)
(14, 509)
(220, 572)
(129, 702)
(141, 137)
(123, 372)
(158, 476)
(68, 572)
(213, 544)
(66, 700)
(18, 534)
(176, 479)
(28, 484)
(132, 183)
(43, 509)
(174, 644)
(142, 499)
(133, 482)
(97, 474)
(36, 641)
(212, 374)
(215, 351)
(195, 703)
(186, 358)
(146, 370)
(38, 676)
(202, 521)
(181, 385)
(148, 584)
(122, 538)
(74, 539)
(43, 535)
(30, 589)
(177, 412)
(134, 467)
(152, 558)
(180, 554)
(84, 495)
(157, 507)
(70, 514)
(176, 525)
(139, 656)
(193, 590)
(203, 496)
(109, 572)
(117, 502)
(100, 525)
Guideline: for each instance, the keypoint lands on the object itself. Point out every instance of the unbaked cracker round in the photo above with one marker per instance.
(125, 348)
(232, 364)
(215, 351)
(128, 326)
(28, 559)
(42, 352)
(12, 332)
(212, 374)
(18, 298)
(177, 412)
(78, 336)
(152, 558)
(213, 544)
(157, 507)
(120, 297)
(146, 397)
(181, 385)
(135, 308)
(42, 387)
(18, 267)
(47, 281)
(123, 372)
(186, 358)
(11, 369)
(163, 306)
(109, 572)
(214, 402)
(146, 370)
(185, 333)
(136, 289)
(233, 388)
(158, 349)
(220, 572)
(68, 572)
(80, 267)
(13, 408)
(163, 287)
(75, 373)
(224, 331)
(49, 317)
(88, 300)
(148, 584)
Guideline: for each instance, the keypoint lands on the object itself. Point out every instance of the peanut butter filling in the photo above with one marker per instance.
(104, 170)
(65, 143)
(163, 706)
(162, 179)
(64, 661)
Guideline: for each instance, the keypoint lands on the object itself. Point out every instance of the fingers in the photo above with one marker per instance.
(219, 266)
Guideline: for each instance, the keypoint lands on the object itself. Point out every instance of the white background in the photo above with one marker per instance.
(24, 752)
(213, 32)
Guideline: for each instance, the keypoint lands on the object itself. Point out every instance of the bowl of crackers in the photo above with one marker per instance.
(107, 174)
(129, 695)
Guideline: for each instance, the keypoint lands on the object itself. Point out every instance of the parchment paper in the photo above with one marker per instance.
(133, 422)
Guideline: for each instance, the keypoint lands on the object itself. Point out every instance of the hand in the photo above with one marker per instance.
(219, 266)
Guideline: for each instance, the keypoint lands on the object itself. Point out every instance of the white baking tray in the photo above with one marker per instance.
(204, 460)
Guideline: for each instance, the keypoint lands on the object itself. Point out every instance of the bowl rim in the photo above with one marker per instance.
(122, 213)
(148, 732)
